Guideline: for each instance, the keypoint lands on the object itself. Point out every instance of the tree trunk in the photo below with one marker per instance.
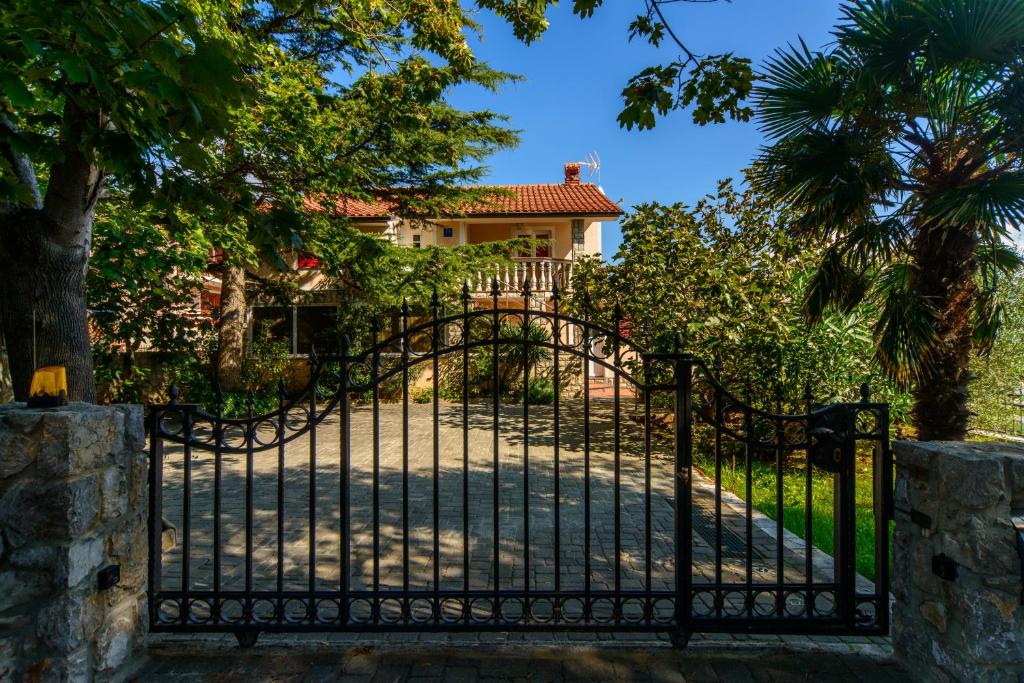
(42, 304)
(946, 266)
(231, 331)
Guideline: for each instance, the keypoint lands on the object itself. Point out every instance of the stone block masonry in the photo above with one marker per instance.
(957, 580)
(73, 501)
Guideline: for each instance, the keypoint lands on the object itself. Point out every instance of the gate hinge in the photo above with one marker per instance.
(916, 516)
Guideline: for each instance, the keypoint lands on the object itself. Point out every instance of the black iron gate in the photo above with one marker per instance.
(517, 467)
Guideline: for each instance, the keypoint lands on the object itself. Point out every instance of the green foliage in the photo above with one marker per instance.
(144, 283)
(129, 80)
(764, 500)
(143, 286)
(1000, 371)
(541, 391)
(726, 277)
(512, 359)
(266, 362)
(903, 135)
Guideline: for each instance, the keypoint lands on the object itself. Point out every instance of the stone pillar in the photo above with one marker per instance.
(73, 498)
(957, 578)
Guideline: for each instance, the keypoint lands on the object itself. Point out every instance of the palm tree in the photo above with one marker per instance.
(900, 149)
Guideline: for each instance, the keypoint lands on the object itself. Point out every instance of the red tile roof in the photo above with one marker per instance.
(584, 199)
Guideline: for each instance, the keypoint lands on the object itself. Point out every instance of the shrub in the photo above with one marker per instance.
(541, 391)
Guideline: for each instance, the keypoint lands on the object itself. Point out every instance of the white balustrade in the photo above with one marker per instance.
(543, 274)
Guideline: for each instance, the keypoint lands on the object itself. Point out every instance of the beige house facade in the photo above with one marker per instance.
(564, 218)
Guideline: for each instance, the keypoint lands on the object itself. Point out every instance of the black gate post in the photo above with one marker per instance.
(845, 522)
(683, 498)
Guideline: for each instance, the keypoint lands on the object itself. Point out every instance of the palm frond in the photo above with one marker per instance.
(835, 286)
(997, 258)
(905, 329)
(972, 30)
(830, 178)
(988, 319)
(884, 34)
(988, 202)
(802, 90)
(876, 242)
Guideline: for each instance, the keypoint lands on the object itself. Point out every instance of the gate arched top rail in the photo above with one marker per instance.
(495, 319)
(753, 417)
(588, 329)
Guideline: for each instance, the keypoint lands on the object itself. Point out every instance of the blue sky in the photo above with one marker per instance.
(567, 105)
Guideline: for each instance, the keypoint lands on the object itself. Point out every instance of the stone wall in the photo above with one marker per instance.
(72, 503)
(957, 577)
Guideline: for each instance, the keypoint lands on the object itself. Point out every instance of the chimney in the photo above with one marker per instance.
(572, 173)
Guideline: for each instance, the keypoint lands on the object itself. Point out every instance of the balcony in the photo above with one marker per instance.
(542, 273)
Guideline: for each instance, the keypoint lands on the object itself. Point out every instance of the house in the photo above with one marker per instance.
(566, 217)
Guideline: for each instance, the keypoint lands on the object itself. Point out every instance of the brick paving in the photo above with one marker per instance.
(317, 661)
(296, 496)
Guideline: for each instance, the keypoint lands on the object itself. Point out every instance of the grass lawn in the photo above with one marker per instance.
(794, 491)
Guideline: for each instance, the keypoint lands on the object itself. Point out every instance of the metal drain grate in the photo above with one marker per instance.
(734, 547)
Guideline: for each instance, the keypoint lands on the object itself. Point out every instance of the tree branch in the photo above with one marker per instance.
(20, 164)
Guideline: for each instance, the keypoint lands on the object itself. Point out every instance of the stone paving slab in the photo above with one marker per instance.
(768, 660)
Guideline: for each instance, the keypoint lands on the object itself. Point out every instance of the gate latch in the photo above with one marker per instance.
(829, 439)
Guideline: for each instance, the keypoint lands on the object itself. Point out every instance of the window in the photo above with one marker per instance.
(271, 322)
(303, 327)
(578, 243)
(417, 241)
(541, 250)
(316, 326)
(448, 232)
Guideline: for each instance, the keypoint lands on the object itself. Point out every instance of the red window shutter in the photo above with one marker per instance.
(308, 261)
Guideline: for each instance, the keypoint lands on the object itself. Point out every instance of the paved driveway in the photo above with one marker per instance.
(293, 467)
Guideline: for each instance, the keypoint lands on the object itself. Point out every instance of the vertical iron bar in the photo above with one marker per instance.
(719, 597)
(586, 459)
(218, 475)
(683, 484)
(374, 373)
(249, 480)
(556, 378)
(405, 450)
(748, 464)
(496, 391)
(780, 597)
(647, 484)
(186, 505)
(526, 447)
(344, 517)
(281, 417)
(748, 496)
(311, 614)
(809, 509)
(465, 446)
(435, 349)
(617, 457)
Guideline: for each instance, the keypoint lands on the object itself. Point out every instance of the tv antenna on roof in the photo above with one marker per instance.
(593, 163)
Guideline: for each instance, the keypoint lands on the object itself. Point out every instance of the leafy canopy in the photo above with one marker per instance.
(726, 276)
(902, 137)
